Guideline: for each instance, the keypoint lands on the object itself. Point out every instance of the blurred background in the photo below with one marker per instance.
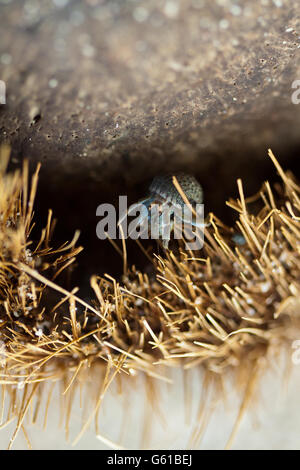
(166, 418)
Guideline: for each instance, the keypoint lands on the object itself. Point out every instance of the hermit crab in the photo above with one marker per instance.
(174, 202)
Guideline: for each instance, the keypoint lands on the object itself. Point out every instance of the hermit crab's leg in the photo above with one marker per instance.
(133, 207)
(142, 220)
(199, 224)
(166, 224)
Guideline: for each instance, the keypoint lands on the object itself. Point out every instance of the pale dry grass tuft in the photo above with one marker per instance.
(224, 310)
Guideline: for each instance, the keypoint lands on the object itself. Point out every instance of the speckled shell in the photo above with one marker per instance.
(163, 187)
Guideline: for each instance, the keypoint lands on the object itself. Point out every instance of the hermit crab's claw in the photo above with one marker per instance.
(141, 210)
(137, 207)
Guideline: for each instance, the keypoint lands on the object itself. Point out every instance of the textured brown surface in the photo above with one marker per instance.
(124, 89)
